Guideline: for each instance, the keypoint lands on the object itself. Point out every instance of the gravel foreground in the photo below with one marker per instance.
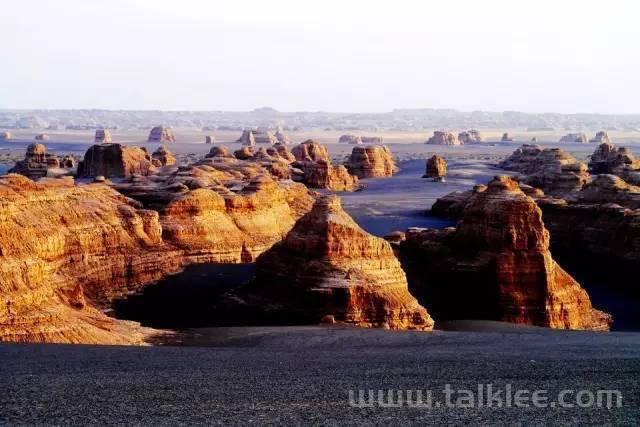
(302, 376)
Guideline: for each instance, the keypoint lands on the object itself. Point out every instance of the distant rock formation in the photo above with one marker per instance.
(506, 137)
(551, 169)
(103, 136)
(162, 157)
(328, 266)
(610, 189)
(280, 150)
(37, 163)
(436, 168)
(209, 139)
(443, 138)
(42, 137)
(281, 137)
(310, 151)
(218, 151)
(115, 160)
(601, 137)
(617, 161)
(161, 134)
(350, 139)
(5, 136)
(471, 136)
(497, 257)
(371, 162)
(575, 137)
(247, 138)
(265, 137)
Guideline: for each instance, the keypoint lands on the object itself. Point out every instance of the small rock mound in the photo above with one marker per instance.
(310, 151)
(471, 136)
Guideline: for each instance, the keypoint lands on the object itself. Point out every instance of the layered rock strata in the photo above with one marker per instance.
(436, 168)
(471, 136)
(163, 157)
(103, 136)
(115, 160)
(161, 134)
(371, 162)
(443, 138)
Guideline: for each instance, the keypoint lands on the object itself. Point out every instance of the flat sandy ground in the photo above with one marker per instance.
(302, 376)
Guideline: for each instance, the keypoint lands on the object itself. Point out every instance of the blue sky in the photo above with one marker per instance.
(564, 56)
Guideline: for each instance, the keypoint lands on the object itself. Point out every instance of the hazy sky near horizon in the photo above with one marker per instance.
(348, 55)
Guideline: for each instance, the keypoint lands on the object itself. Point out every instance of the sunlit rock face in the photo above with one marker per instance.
(103, 136)
(247, 138)
(161, 134)
(471, 136)
(37, 163)
(443, 138)
(310, 151)
(371, 162)
(601, 137)
(115, 160)
(316, 170)
(605, 189)
(328, 266)
(620, 161)
(498, 258)
(552, 170)
(162, 157)
(436, 167)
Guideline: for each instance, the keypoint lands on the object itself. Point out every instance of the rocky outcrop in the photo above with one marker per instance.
(601, 137)
(575, 137)
(328, 266)
(209, 139)
(551, 169)
(506, 137)
(161, 134)
(619, 161)
(245, 153)
(322, 174)
(310, 151)
(42, 137)
(371, 162)
(5, 136)
(436, 168)
(265, 137)
(282, 137)
(115, 160)
(247, 138)
(443, 138)
(163, 157)
(280, 151)
(37, 163)
(218, 151)
(350, 139)
(471, 136)
(103, 136)
(497, 257)
(610, 189)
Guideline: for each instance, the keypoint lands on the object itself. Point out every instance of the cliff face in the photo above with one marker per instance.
(371, 162)
(327, 265)
(115, 160)
(498, 257)
(436, 167)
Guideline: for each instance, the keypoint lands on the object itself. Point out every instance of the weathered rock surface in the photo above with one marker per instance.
(42, 137)
(471, 136)
(322, 174)
(575, 137)
(245, 153)
(328, 266)
(350, 139)
(371, 162)
(161, 134)
(247, 138)
(265, 137)
(218, 151)
(620, 161)
(282, 137)
(163, 157)
(436, 167)
(310, 151)
(601, 137)
(115, 160)
(506, 137)
(552, 170)
(103, 136)
(37, 163)
(497, 257)
(443, 138)
(610, 189)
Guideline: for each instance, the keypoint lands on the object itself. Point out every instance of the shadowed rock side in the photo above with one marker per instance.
(115, 160)
(552, 170)
(498, 258)
(443, 138)
(436, 168)
(37, 163)
(619, 161)
(328, 266)
(371, 162)
(63, 249)
(161, 134)
(602, 137)
(103, 136)
(162, 157)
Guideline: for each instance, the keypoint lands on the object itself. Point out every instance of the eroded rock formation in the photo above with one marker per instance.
(103, 136)
(575, 137)
(162, 157)
(5, 136)
(322, 174)
(310, 151)
(497, 257)
(443, 138)
(506, 137)
(436, 168)
(209, 139)
(161, 134)
(601, 137)
(328, 266)
(350, 139)
(115, 160)
(371, 162)
(37, 163)
(620, 161)
(471, 136)
(218, 151)
(247, 138)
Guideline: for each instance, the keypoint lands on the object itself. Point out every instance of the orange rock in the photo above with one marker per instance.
(310, 151)
(436, 167)
(115, 160)
(371, 162)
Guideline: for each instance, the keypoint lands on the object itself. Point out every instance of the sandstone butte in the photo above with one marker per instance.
(67, 250)
(328, 267)
(620, 161)
(37, 163)
(497, 257)
(115, 160)
(371, 162)
(313, 160)
(443, 138)
(436, 167)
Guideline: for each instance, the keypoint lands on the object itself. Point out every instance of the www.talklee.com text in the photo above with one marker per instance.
(484, 396)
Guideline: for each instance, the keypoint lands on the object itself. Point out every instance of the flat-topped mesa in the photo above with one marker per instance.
(371, 162)
(37, 163)
(552, 170)
(601, 137)
(265, 137)
(620, 161)
(310, 151)
(436, 168)
(60, 242)
(103, 136)
(115, 160)
(328, 266)
(471, 136)
(575, 137)
(161, 134)
(506, 137)
(247, 138)
(498, 258)
(350, 139)
(443, 138)
(163, 157)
